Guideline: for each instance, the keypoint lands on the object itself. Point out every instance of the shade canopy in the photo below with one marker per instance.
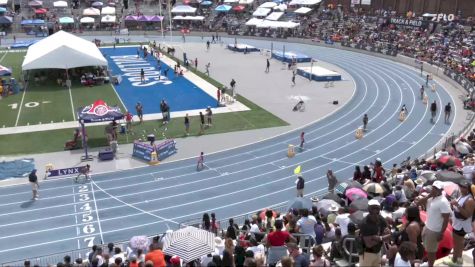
(91, 12)
(303, 10)
(108, 19)
(66, 20)
(99, 111)
(183, 9)
(305, 2)
(60, 4)
(51, 52)
(35, 3)
(6, 20)
(223, 8)
(4, 71)
(268, 5)
(3, 2)
(261, 12)
(86, 20)
(188, 18)
(2, 9)
(246, 2)
(275, 16)
(41, 11)
(108, 10)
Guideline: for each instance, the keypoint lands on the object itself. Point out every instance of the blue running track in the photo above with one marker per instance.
(116, 206)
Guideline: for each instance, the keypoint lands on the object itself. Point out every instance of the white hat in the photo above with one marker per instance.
(333, 208)
(438, 184)
(218, 242)
(373, 202)
(378, 159)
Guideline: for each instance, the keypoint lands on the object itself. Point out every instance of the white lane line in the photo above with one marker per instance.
(249, 168)
(338, 160)
(136, 208)
(269, 172)
(72, 103)
(314, 148)
(97, 212)
(423, 136)
(76, 217)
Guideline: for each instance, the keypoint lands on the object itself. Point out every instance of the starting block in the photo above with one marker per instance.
(425, 99)
(433, 87)
(402, 116)
(291, 151)
(359, 133)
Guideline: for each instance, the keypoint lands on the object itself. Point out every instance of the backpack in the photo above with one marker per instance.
(32, 178)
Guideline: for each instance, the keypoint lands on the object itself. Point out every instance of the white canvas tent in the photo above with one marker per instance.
(305, 2)
(275, 16)
(87, 20)
(303, 10)
(261, 12)
(60, 4)
(108, 10)
(51, 52)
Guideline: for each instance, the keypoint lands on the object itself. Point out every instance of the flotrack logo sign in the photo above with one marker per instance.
(130, 65)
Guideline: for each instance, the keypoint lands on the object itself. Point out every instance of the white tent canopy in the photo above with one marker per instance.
(86, 20)
(183, 9)
(60, 4)
(188, 18)
(91, 12)
(108, 19)
(261, 12)
(281, 7)
(246, 2)
(303, 10)
(262, 23)
(51, 52)
(275, 16)
(268, 5)
(108, 10)
(231, 1)
(305, 2)
(3, 2)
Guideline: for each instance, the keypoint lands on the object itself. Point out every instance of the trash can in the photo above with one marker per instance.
(122, 128)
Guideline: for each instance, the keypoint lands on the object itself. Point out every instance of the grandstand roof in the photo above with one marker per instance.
(51, 52)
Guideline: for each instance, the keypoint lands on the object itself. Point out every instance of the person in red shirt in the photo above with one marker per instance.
(156, 255)
(128, 121)
(279, 237)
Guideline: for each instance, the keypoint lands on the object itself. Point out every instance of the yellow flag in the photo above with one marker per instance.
(297, 170)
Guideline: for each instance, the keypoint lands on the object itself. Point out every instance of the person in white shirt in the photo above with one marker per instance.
(406, 254)
(256, 248)
(438, 214)
(342, 220)
(118, 254)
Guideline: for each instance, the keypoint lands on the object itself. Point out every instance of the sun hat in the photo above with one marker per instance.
(373, 202)
(438, 184)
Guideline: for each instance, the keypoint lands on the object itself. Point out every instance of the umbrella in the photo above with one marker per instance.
(262, 214)
(450, 161)
(239, 8)
(97, 4)
(355, 193)
(4, 71)
(374, 188)
(463, 147)
(333, 197)
(2, 9)
(223, 8)
(139, 242)
(41, 11)
(87, 20)
(451, 189)
(427, 176)
(189, 243)
(359, 204)
(299, 203)
(449, 176)
(326, 204)
(357, 217)
(206, 3)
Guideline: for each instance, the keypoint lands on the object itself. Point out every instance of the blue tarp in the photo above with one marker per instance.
(16, 168)
(32, 22)
(288, 56)
(23, 44)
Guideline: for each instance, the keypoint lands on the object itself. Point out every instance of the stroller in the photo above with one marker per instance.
(300, 106)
